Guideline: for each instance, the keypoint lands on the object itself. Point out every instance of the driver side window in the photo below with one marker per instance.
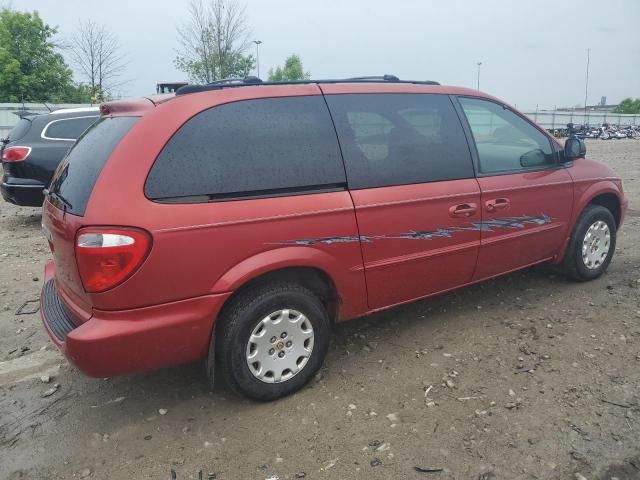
(505, 141)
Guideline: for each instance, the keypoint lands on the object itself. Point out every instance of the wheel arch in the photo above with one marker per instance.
(312, 278)
(604, 193)
(611, 202)
(340, 288)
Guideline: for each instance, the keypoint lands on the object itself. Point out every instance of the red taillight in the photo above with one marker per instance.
(108, 256)
(15, 154)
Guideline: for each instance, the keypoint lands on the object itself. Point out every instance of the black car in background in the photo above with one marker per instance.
(35, 147)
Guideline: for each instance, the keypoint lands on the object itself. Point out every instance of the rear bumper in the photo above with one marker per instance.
(122, 342)
(25, 195)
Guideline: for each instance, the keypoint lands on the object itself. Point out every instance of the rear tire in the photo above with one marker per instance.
(592, 244)
(271, 340)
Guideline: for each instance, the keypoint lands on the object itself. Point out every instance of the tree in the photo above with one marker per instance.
(96, 54)
(292, 70)
(30, 68)
(213, 42)
(80, 93)
(628, 105)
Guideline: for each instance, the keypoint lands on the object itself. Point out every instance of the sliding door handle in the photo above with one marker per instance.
(463, 210)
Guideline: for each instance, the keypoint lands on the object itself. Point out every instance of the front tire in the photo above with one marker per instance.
(592, 244)
(272, 340)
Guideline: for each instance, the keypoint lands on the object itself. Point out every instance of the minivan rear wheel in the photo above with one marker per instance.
(272, 339)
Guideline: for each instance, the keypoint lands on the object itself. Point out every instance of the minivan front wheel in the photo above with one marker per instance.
(272, 340)
(592, 244)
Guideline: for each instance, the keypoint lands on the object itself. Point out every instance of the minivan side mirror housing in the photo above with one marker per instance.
(574, 148)
(532, 158)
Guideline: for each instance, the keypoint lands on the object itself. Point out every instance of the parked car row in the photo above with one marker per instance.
(604, 132)
(34, 149)
(250, 217)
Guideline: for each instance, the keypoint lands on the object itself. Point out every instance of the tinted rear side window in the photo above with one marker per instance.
(77, 174)
(261, 147)
(396, 139)
(19, 130)
(67, 128)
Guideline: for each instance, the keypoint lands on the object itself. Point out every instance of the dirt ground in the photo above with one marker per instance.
(529, 376)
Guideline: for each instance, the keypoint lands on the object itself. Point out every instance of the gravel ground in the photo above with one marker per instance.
(528, 376)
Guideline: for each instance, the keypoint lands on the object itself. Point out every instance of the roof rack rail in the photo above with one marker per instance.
(385, 78)
(252, 80)
(217, 84)
(249, 79)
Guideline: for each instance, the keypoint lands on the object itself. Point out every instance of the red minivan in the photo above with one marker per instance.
(237, 221)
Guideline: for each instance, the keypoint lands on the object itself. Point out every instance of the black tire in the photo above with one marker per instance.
(574, 266)
(238, 321)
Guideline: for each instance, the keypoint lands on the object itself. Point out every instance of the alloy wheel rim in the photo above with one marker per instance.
(596, 244)
(280, 346)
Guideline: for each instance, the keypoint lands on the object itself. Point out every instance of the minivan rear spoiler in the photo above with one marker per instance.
(134, 104)
(126, 106)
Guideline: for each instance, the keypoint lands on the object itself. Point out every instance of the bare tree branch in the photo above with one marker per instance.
(213, 42)
(96, 55)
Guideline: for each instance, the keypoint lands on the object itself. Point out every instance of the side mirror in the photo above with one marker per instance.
(574, 148)
(533, 158)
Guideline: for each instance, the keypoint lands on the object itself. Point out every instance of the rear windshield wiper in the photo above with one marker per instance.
(59, 197)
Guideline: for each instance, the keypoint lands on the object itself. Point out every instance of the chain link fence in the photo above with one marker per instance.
(551, 120)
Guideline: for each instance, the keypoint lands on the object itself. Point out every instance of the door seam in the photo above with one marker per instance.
(353, 204)
(480, 193)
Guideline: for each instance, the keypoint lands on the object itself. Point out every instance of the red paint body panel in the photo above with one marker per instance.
(201, 253)
(545, 192)
(138, 340)
(591, 179)
(63, 228)
(400, 269)
(209, 241)
(337, 88)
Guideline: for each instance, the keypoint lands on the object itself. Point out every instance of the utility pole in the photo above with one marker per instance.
(257, 42)
(479, 64)
(586, 86)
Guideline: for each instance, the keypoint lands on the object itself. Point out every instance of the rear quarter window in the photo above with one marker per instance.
(250, 148)
(67, 128)
(77, 174)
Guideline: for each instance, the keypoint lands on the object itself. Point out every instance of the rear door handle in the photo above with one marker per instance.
(463, 210)
(497, 204)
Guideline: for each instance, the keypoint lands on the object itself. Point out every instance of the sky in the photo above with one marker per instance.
(533, 52)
